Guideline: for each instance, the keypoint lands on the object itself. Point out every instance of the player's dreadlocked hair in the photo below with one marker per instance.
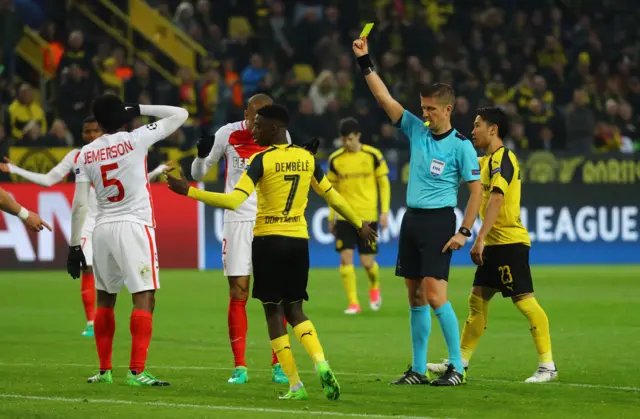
(275, 112)
(495, 116)
(109, 112)
(440, 91)
(349, 126)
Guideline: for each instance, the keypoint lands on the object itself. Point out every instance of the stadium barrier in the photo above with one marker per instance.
(568, 224)
(578, 209)
(176, 231)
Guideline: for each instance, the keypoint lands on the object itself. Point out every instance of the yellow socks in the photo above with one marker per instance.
(474, 327)
(374, 282)
(348, 274)
(308, 337)
(282, 347)
(539, 328)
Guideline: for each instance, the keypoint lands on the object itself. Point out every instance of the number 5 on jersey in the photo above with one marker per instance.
(106, 182)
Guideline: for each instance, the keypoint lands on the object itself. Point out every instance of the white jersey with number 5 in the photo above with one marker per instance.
(116, 166)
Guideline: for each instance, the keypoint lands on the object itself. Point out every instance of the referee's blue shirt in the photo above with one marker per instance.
(437, 164)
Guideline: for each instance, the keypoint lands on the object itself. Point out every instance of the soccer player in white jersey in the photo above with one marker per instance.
(115, 164)
(90, 131)
(235, 143)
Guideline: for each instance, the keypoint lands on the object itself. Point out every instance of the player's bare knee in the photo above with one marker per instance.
(145, 300)
(106, 300)
(367, 261)
(415, 292)
(275, 319)
(346, 257)
(294, 314)
(88, 270)
(239, 287)
(435, 300)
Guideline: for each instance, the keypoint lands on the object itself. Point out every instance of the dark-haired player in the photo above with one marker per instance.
(357, 170)
(282, 175)
(115, 164)
(90, 131)
(501, 249)
(235, 143)
(440, 159)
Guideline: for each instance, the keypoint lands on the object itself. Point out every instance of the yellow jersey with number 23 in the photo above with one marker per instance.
(500, 172)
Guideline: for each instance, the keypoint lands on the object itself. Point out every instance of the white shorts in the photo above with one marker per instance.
(236, 248)
(87, 247)
(87, 240)
(127, 256)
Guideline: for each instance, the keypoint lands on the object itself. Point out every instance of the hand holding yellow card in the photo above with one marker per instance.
(367, 29)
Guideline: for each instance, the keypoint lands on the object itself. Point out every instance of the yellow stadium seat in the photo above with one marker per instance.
(304, 73)
(238, 26)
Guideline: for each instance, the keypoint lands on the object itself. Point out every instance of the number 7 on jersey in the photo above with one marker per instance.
(294, 179)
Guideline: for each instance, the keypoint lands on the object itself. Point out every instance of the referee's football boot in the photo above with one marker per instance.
(438, 369)
(543, 375)
(450, 378)
(411, 377)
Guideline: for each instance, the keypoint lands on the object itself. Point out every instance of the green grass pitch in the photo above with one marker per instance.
(595, 324)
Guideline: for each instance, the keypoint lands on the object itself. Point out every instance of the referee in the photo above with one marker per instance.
(440, 158)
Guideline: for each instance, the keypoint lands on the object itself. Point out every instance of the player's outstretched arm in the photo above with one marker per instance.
(55, 175)
(391, 106)
(342, 207)
(30, 219)
(231, 200)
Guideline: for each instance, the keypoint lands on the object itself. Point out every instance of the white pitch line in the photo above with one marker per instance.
(209, 407)
(364, 374)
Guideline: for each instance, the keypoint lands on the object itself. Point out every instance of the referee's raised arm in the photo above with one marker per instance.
(391, 106)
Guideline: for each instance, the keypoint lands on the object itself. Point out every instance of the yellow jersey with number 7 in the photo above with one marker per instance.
(282, 175)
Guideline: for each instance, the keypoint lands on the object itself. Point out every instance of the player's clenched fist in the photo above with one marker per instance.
(178, 185)
(360, 47)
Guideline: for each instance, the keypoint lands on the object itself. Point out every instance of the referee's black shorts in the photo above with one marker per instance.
(280, 268)
(506, 268)
(423, 234)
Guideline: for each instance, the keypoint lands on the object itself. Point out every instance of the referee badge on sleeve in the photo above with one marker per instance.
(437, 167)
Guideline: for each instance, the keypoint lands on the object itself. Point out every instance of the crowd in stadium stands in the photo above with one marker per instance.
(569, 78)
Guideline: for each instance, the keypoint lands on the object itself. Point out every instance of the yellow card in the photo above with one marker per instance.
(367, 29)
(427, 123)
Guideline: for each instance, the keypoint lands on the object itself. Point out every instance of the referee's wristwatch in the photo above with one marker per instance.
(464, 231)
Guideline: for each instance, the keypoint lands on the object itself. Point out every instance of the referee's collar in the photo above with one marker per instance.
(442, 136)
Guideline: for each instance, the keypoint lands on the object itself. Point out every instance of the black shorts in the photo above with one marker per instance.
(347, 237)
(280, 268)
(506, 268)
(423, 234)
